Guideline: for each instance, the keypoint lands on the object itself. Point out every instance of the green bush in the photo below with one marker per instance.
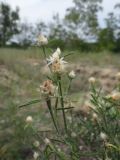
(54, 43)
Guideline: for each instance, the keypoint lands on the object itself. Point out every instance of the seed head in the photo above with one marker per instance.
(48, 88)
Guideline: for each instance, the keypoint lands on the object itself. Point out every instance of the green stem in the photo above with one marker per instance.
(56, 105)
(69, 86)
(48, 101)
(62, 102)
(45, 56)
(44, 52)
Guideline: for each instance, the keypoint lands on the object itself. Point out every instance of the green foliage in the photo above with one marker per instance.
(80, 28)
(9, 24)
(117, 46)
(81, 45)
(83, 16)
(57, 29)
(54, 43)
(106, 39)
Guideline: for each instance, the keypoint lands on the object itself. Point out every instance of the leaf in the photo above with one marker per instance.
(57, 140)
(30, 103)
(89, 154)
(68, 54)
(50, 78)
(65, 108)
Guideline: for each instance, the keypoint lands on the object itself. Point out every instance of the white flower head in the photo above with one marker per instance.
(29, 119)
(59, 149)
(72, 74)
(80, 147)
(69, 119)
(92, 80)
(35, 155)
(56, 62)
(47, 141)
(95, 116)
(58, 66)
(103, 136)
(55, 55)
(42, 40)
(73, 134)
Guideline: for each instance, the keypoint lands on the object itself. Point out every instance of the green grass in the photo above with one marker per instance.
(100, 58)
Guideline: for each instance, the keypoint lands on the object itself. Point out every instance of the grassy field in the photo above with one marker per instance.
(22, 71)
(21, 74)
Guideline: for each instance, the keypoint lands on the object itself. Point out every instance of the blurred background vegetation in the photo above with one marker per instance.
(79, 29)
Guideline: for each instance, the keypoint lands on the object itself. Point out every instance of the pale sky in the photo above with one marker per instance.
(33, 10)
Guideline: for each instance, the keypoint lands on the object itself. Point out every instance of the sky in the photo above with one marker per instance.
(43, 10)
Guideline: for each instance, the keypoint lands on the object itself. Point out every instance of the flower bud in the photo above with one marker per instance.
(118, 75)
(35, 155)
(42, 40)
(69, 119)
(115, 96)
(80, 147)
(103, 136)
(29, 119)
(72, 75)
(36, 144)
(59, 149)
(73, 134)
(92, 80)
(47, 141)
(57, 53)
(94, 116)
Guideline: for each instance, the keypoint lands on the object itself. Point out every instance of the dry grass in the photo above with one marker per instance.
(20, 72)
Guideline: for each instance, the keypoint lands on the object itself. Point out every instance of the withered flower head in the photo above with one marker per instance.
(48, 88)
